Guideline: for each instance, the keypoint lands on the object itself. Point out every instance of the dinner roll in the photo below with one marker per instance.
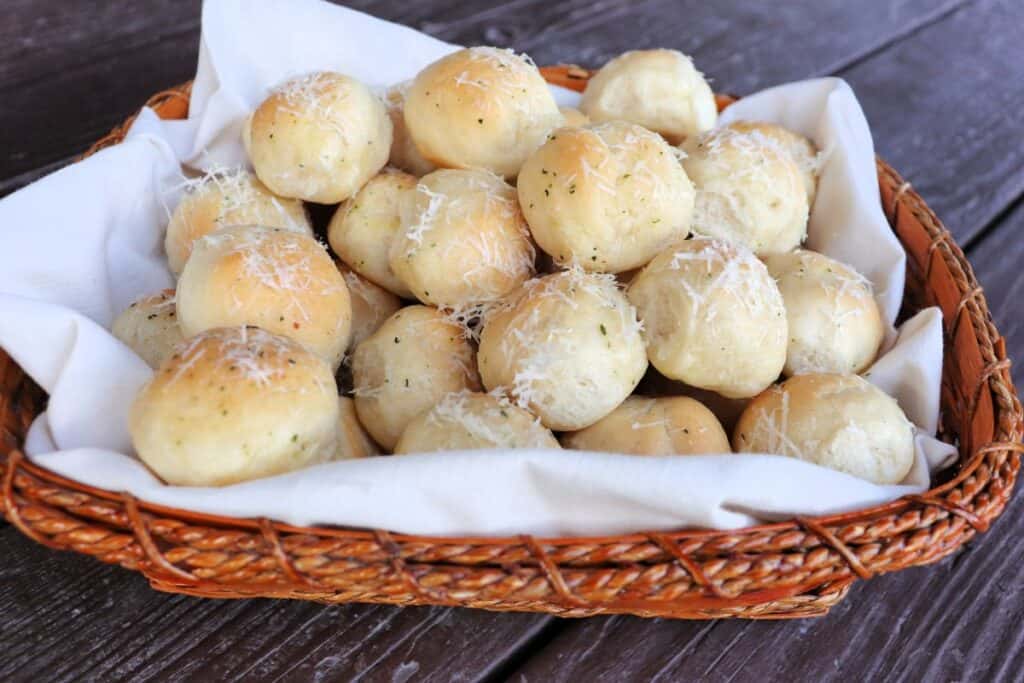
(834, 321)
(799, 148)
(404, 153)
(234, 404)
(371, 305)
(414, 359)
(838, 421)
(319, 137)
(658, 89)
(607, 197)
(466, 420)
(149, 327)
(463, 239)
(727, 410)
(573, 118)
(748, 191)
(653, 426)
(713, 317)
(222, 198)
(281, 281)
(567, 346)
(353, 441)
(481, 107)
(363, 228)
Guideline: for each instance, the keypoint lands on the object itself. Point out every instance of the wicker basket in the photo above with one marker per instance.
(797, 568)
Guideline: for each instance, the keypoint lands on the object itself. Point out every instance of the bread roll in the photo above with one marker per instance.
(353, 441)
(413, 360)
(800, 149)
(463, 239)
(838, 421)
(371, 305)
(319, 137)
(466, 420)
(149, 327)
(657, 89)
(281, 281)
(404, 153)
(363, 228)
(480, 107)
(834, 321)
(607, 197)
(223, 198)
(234, 404)
(713, 317)
(573, 118)
(653, 426)
(567, 346)
(748, 191)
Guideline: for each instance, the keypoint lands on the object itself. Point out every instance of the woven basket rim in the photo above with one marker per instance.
(1006, 414)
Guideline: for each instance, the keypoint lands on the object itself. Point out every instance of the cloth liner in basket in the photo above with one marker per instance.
(494, 492)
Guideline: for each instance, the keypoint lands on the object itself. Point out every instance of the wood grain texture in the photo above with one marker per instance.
(934, 78)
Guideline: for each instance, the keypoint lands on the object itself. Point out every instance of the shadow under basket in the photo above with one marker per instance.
(797, 568)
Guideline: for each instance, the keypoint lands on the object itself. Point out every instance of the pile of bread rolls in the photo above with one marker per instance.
(501, 273)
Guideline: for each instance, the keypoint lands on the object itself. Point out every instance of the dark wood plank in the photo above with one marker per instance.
(958, 620)
(67, 616)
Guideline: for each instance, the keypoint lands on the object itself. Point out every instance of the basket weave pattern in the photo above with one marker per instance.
(792, 569)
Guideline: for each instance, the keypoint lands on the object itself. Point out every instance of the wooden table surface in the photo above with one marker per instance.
(942, 82)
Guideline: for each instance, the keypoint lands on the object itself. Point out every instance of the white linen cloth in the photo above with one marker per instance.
(79, 245)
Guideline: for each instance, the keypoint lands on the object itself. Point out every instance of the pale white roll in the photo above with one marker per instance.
(353, 441)
(798, 147)
(413, 360)
(567, 346)
(573, 118)
(658, 89)
(235, 404)
(404, 153)
(364, 226)
(281, 281)
(371, 305)
(748, 190)
(463, 239)
(319, 137)
(223, 198)
(607, 198)
(149, 327)
(713, 317)
(673, 425)
(468, 420)
(842, 422)
(835, 324)
(481, 107)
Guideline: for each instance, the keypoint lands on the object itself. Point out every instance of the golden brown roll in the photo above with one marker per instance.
(281, 281)
(371, 305)
(673, 425)
(567, 346)
(363, 228)
(353, 441)
(404, 153)
(319, 137)
(713, 317)
(748, 191)
(660, 90)
(834, 321)
(481, 107)
(463, 239)
(607, 198)
(149, 327)
(467, 420)
(224, 198)
(800, 149)
(842, 422)
(413, 360)
(234, 404)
